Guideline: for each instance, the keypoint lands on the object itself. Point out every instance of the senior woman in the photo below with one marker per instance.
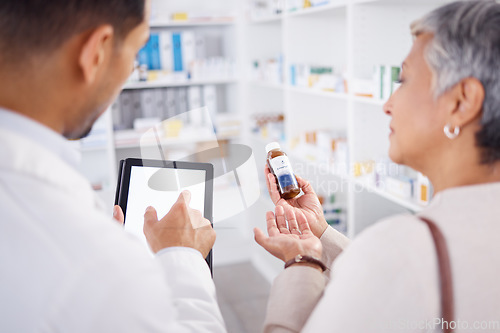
(445, 123)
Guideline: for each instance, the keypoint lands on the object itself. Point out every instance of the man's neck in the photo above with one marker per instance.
(32, 98)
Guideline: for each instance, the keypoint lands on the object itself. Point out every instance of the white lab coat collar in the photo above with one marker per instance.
(41, 134)
(22, 155)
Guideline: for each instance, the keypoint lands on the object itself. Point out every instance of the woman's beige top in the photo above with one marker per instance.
(386, 280)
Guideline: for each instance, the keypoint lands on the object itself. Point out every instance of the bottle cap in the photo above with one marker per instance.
(271, 146)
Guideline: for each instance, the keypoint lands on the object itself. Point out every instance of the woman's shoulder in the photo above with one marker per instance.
(399, 228)
(399, 240)
(389, 263)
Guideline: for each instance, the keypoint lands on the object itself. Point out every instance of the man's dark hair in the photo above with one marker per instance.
(30, 27)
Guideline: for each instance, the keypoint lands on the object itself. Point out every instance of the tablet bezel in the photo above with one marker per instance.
(124, 172)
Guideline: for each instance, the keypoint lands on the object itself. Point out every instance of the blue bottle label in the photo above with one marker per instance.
(284, 172)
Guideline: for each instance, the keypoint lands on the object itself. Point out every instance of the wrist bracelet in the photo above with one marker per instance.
(305, 259)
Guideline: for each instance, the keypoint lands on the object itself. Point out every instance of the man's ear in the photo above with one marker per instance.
(93, 51)
(470, 97)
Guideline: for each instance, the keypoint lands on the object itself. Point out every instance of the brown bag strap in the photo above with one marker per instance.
(447, 302)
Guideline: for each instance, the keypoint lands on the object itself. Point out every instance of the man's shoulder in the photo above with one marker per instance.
(27, 158)
(67, 225)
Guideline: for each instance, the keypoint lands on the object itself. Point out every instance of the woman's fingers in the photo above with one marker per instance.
(272, 229)
(260, 238)
(264, 241)
(266, 175)
(281, 220)
(273, 188)
(292, 221)
(304, 185)
(302, 222)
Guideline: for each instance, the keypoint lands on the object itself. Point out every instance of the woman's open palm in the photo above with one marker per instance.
(286, 241)
(308, 203)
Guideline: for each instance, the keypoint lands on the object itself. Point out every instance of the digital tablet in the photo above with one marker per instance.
(143, 183)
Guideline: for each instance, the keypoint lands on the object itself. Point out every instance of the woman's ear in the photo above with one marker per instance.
(94, 50)
(470, 97)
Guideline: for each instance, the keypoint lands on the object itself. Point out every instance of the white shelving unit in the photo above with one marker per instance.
(169, 84)
(267, 85)
(267, 19)
(219, 26)
(368, 100)
(188, 23)
(353, 37)
(334, 5)
(365, 185)
(316, 92)
(134, 140)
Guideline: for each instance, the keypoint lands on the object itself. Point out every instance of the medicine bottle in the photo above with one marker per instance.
(280, 167)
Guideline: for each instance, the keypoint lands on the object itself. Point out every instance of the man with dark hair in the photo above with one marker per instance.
(66, 266)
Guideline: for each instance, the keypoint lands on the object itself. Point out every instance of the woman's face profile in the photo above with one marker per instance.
(416, 124)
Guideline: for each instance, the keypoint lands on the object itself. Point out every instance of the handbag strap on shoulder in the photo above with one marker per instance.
(446, 283)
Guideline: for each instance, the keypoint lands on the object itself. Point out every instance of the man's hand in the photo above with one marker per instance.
(182, 226)
(306, 205)
(286, 242)
(118, 215)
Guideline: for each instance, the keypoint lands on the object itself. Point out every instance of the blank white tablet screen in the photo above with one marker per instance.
(160, 188)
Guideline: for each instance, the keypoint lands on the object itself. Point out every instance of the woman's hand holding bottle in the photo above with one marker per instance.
(307, 204)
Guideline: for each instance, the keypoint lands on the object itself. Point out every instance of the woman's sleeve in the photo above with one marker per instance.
(294, 294)
(296, 291)
(333, 243)
(375, 283)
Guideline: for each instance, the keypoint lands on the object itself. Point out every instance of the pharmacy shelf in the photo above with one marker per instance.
(193, 23)
(312, 163)
(302, 12)
(132, 140)
(259, 139)
(164, 84)
(406, 203)
(266, 19)
(306, 11)
(369, 100)
(316, 10)
(403, 2)
(264, 84)
(358, 2)
(317, 92)
(409, 204)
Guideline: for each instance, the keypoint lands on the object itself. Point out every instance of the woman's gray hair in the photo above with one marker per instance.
(466, 43)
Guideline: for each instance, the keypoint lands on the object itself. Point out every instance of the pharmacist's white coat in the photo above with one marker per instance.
(66, 266)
